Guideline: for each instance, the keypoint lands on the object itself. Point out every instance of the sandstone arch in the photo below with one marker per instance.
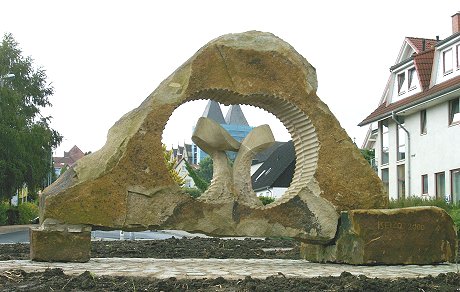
(125, 185)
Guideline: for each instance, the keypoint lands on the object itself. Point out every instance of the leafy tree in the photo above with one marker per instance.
(200, 183)
(205, 171)
(170, 163)
(26, 139)
(369, 154)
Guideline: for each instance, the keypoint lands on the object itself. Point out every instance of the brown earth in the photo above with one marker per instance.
(56, 280)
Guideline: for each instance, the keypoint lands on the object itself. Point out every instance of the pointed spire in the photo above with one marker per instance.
(235, 116)
(213, 111)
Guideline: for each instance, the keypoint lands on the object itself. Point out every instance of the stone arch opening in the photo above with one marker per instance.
(181, 130)
(297, 123)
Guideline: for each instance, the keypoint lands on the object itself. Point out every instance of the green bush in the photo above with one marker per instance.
(193, 192)
(451, 209)
(27, 212)
(418, 201)
(4, 213)
(266, 200)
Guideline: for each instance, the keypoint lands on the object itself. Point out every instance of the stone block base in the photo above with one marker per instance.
(418, 235)
(59, 246)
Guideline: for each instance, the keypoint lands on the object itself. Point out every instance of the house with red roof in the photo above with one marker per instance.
(68, 160)
(415, 129)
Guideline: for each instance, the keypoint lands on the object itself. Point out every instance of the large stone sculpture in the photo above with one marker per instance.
(125, 185)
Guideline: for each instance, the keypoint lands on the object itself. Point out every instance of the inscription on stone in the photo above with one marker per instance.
(400, 226)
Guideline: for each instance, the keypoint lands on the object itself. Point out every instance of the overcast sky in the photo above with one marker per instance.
(105, 57)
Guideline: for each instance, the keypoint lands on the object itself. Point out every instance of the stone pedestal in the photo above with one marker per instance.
(418, 235)
(60, 246)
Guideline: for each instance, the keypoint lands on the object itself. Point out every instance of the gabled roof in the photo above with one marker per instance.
(385, 110)
(213, 111)
(277, 170)
(263, 156)
(75, 153)
(417, 44)
(69, 158)
(423, 58)
(235, 116)
(410, 48)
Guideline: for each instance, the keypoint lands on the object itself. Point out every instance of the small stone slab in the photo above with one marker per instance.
(59, 246)
(418, 235)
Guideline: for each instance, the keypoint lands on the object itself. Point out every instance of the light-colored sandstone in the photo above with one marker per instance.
(125, 185)
(417, 235)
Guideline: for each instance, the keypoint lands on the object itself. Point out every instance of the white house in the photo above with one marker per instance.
(181, 169)
(415, 130)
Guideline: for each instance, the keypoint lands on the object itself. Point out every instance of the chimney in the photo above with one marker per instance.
(456, 23)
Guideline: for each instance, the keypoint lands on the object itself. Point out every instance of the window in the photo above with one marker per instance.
(401, 170)
(385, 142)
(422, 122)
(401, 138)
(447, 61)
(401, 83)
(455, 184)
(386, 179)
(458, 61)
(440, 178)
(425, 184)
(454, 113)
(411, 78)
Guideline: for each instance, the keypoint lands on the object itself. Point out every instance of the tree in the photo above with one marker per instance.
(170, 163)
(26, 138)
(205, 171)
(200, 183)
(369, 155)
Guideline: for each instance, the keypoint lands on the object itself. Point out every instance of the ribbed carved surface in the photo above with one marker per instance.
(296, 122)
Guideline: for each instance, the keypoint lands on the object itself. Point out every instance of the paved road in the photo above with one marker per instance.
(21, 235)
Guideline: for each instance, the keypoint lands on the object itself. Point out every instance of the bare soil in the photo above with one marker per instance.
(56, 280)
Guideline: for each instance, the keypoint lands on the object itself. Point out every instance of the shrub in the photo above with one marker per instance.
(451, 209)
(193, 192)
(4, 213)
(418, 201)
(27, 212)
(266, 200)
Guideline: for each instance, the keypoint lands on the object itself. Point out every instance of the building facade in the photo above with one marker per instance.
(415, 130)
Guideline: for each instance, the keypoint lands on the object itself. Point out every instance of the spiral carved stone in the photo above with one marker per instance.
(125, 185)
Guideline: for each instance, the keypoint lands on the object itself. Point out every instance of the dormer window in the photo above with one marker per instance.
(407, 80)
(402, 83)
(411, 78)
(447, 62)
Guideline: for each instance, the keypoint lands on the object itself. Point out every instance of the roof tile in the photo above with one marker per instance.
(384, 109)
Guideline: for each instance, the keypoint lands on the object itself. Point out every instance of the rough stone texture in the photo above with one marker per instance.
(229, 183)
(60, 246)
(418, 235)
(125, 185)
